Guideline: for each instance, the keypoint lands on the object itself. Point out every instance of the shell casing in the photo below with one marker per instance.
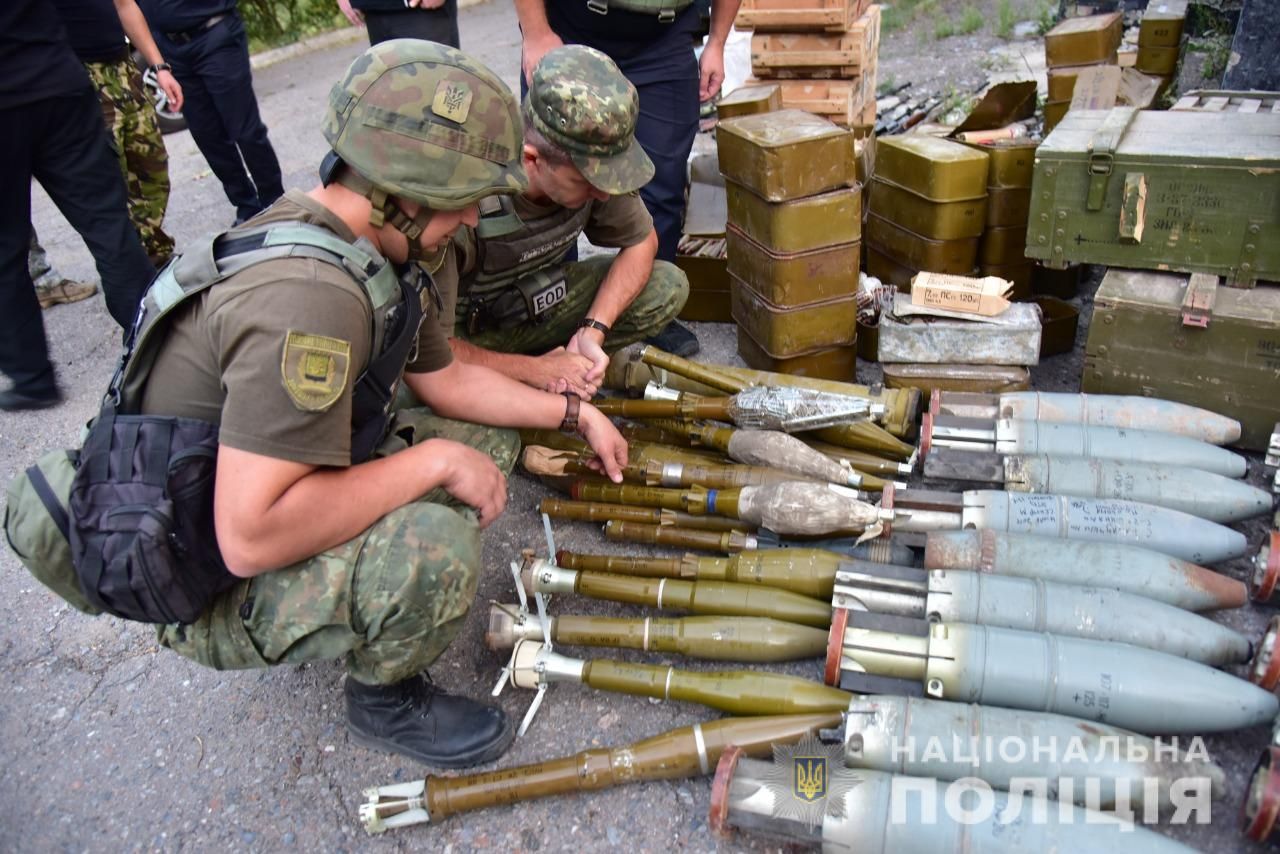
(647, 567)
(1129, 412)
(862, 461)
(723, 598)
(1139, 689)
(688, 407)
(591, 511)
(1099, 613)
(881, 817)
(682, 475)
(727, 542)
(614, 493)
(809, 572)
(737, 692)
(895, 734)
(1093, 564)
(1172, 532)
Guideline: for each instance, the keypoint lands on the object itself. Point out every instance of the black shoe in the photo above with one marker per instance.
(416, 719)
(12, 400)
(675, 339)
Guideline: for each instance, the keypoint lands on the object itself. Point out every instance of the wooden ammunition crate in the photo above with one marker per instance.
(1139, 343)
(1191, 192)
(1207, 101)
(818, 55)
(780, 16)
(840, 101)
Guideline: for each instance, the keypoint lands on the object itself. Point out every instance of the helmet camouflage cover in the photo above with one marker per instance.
(582, 103)
(425, 122)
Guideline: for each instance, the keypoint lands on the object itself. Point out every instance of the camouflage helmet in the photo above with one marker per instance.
(425, 122)
(582, 103)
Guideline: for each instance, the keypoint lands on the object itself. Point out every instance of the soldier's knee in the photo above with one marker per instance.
(665, 294)
(418, 569)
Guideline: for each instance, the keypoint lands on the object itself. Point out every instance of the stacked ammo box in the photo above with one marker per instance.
(927, 209)
(1002, 248)
(1160, 37)
(794, 236)
(821, 53)
(1069, 48)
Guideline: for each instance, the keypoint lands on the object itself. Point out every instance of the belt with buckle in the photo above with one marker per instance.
(185, 36)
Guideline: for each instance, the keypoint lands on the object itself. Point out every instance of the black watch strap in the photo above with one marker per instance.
(159, 66)
(592, 323)
(572, 403)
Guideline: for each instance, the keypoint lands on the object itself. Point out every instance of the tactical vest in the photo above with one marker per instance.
(140, 518)
(666, 10)
(510, 252)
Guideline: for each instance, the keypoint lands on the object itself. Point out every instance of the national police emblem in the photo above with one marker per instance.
(809, 781)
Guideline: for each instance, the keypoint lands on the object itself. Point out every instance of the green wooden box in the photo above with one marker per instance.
(1190, 192)
(1139, 344)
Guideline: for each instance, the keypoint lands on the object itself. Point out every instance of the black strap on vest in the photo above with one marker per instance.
(376, 387)
(50, 501)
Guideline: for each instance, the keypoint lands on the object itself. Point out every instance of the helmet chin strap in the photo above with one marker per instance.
(385, 210)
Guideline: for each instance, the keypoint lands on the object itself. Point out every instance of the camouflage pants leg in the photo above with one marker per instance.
(660, 301)
(389, 600)
(135, 132)
(41, 269)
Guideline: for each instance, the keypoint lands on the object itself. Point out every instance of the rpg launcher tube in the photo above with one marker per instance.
(684, 752)
(1127, 412)
(880, 549)
(1266, 571)
(864, 462)
(642, 496)
(1120, 567)
(886, 814)
(1038, 606)
(726, 542)
(950, 741)
(698, 597)
(1103, 520)
(682, 475)
(1200, 493)
(1006, 436)
(809, 572)
(591, 511)
(747, 639)
(1125, 686)
(736, 692)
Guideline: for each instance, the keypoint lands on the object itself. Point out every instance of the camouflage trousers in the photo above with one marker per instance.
(137, 141)
(43, 273)
(657, 305)
(389, 600)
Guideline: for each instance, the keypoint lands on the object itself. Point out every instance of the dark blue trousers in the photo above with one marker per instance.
(64, 145)
(222, 113)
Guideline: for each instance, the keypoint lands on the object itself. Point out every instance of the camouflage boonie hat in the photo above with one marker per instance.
(426, 122)
(579, 100)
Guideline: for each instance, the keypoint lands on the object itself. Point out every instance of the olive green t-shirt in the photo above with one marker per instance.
(615, 223)
(272, 353)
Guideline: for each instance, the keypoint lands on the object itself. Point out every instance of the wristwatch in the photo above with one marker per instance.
(572, 403)
(159, 66)
(592, 323)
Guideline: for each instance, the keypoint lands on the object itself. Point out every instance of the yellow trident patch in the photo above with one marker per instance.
(811, 777)
(314, 370)
(452, 100)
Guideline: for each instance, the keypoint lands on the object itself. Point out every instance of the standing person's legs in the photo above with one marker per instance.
(433, 25)
(205, 123)
(77, 168)
(665, 130)
(228, 77)
(24, 355)
(133, 126)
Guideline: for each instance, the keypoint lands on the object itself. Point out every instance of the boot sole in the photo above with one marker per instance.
(479, 756)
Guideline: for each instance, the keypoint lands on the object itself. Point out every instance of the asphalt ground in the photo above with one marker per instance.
(108, 743)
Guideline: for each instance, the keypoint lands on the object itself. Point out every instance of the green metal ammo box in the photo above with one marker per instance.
(1147, 338)
(1191, 192)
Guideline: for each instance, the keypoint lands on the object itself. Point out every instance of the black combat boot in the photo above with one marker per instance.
(418, 720)
(676, 339)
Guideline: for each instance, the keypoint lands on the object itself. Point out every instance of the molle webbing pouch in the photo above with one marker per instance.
(525, 300)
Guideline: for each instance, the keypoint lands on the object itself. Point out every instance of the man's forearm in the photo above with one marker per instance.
(626, 278)
(722, 14)
(481, 395)
(517, 366)
(532, 15)
(135, 27)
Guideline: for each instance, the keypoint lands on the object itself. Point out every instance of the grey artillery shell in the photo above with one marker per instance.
(1139, 446)
(1103, 520)
(949, 741)
(1121, 410)
(883, 816)
(1139, 689)
(1200, 493)
(1114, 565)
(1091, 612)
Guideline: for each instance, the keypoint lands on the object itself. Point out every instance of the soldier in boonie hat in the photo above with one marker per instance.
(519, 295)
